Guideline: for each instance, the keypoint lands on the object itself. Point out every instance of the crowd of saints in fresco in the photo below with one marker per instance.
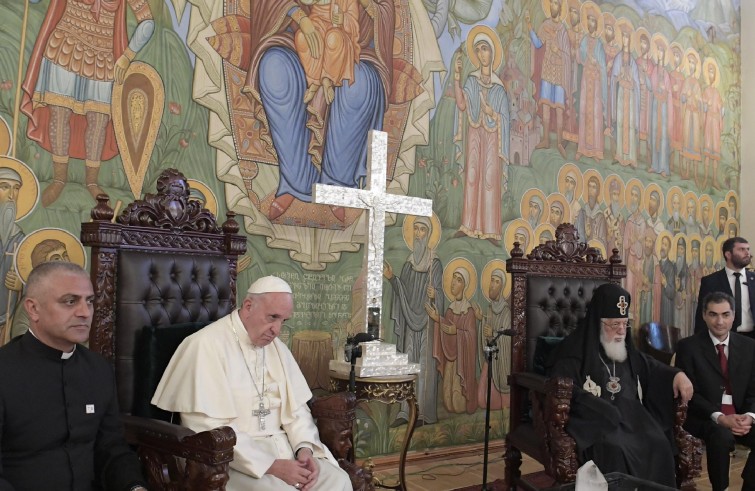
(618, 92)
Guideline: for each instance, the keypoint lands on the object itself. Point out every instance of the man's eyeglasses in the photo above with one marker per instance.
(616, 325)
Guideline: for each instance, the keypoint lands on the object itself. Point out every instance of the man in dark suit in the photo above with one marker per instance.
(736, 252)
(721, 365)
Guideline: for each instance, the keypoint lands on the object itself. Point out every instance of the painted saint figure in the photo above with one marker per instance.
(593, 119)
(551, 70)
(482, 131)
(713, 122)
(419, 286)
(625, 99)
(81, 50)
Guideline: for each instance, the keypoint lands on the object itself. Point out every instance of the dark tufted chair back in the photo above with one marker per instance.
(161, 290)
(555, 306)
(164, 261)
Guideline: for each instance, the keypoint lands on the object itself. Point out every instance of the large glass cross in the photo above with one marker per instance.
(375, 199)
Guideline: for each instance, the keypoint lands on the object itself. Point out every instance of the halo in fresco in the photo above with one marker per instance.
(493, 37)
(646, 198)
(74, 248)
(210, 201)
(547, 9)
(6, 139)
(544, 228)
(407, 230)
(600, 245)
(607, 188)
(524, 205)
(631, 184)
(560, 198)
(487, 273)
(29, 194)
(674, 191)
(448, 272)
(586, 189)
(519, 225)
(585, 10)
(570, 169)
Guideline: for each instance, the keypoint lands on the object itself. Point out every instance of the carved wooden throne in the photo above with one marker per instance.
(550, 292)
(161, 270)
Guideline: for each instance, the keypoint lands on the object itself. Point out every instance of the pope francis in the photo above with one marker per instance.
(236, 372)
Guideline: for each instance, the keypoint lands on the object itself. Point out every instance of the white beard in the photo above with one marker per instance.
(615, 350)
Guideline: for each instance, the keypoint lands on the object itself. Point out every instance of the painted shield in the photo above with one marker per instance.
(137, 109)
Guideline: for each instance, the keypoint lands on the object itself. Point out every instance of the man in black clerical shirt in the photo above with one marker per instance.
(622, 405)
(59, 425)
(721, 365)
(735, 280)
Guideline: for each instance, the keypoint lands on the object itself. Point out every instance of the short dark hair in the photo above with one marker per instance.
(40, 273)
(729, 244)
(717, 297)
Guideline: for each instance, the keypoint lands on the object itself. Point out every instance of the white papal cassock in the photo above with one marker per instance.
(208, 382)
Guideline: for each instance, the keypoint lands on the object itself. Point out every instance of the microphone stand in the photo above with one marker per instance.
(490, 350)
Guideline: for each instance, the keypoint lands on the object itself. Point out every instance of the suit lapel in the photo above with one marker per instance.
(750, 276)
(708, 351)
(723, 282)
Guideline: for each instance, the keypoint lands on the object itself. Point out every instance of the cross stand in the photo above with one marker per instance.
(490, 349)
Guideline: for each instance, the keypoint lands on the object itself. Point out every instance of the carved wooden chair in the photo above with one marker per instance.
(659, 341)
(550, 292)
(163, 269)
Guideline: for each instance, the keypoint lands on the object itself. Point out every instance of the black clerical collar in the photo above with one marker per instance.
(30, 341)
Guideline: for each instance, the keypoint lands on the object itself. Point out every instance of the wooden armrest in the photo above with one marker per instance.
(529, 380)
(690, 456)
(175, 457)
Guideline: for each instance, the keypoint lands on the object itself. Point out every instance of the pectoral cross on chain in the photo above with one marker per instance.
(261, 413)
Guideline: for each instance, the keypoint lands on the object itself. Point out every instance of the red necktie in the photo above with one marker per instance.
(727, 409)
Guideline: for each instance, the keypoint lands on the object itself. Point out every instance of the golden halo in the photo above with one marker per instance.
(585, 188)
(607, 189)
(624, 24)
(707, 63)
(562, 172)
(547, 9)
(407, 230)
(497, 48)
(716, 250)
(542, 228)
(525, 203)
(692, 52)
(729, 222)
(586, 7)
(631, 184)
(75, 249)
(675, 46)
(511, 228)
(448, 272)
(690, 195)
(598, 244)
(674, 191)
(211, 201)
(675, 243)
(705, 198)
(729, 195)
(29, 195)
(714, 218)
(6, 139)
(691, 238)
(646, 197)
(663, 234)
(554, 197)
(641, 31)
(487, 273)
(657, 38)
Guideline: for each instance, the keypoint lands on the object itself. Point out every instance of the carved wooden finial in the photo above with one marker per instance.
(615, 258)
(102, 211)
(517, 251)
(230, 226)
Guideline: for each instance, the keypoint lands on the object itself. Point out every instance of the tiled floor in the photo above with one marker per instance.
(453, 474)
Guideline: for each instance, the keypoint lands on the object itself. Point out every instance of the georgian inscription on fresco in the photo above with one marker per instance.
(320, 299)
